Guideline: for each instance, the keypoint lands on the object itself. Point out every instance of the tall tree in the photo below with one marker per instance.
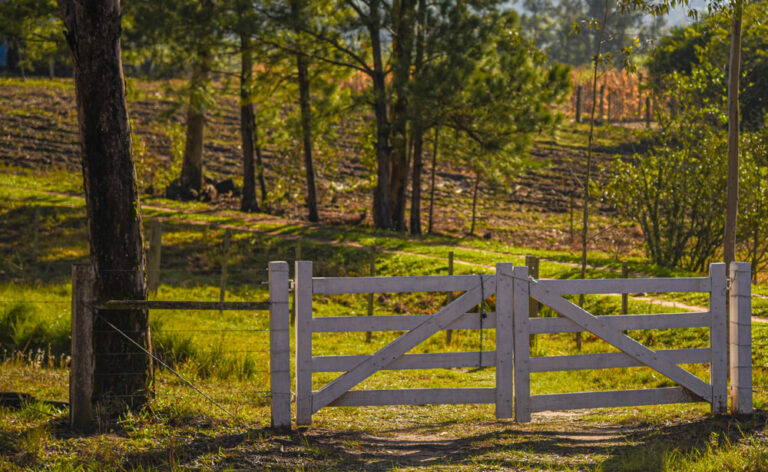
(305, 108)
(112, 201)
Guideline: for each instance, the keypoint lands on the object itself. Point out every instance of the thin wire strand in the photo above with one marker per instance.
(171, 370)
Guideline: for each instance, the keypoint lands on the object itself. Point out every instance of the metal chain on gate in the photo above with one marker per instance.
(482, 317)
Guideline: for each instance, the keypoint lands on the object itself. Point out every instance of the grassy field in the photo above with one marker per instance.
(225, 355)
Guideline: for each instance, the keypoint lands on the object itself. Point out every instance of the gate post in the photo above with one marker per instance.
(505, 333)
(303, 298)
(82, 366)
(740, 308)
(280, 345)
(718, 342)
(522, 373)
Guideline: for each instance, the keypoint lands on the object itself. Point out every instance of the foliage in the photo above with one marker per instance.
(34, 28)
(669, 192)
(552, 24)
(708, 40)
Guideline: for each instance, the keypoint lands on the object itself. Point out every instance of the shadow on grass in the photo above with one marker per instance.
(534, 446)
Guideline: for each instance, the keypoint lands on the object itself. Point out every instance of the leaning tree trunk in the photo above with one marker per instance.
(112, 203)
(306, 134)
(431, 221)
(402, 45)
(248, 203)
(732, 193)
(382, 204)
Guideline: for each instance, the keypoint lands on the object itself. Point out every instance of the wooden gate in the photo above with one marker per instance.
(610, 329)
(357, 368)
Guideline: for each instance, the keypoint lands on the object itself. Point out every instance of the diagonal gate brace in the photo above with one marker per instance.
(629, 346)
(389, 353)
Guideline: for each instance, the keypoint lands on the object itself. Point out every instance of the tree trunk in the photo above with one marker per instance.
(732, 196)
(402, 44)
(474, 204)
(418, 166)
(247, 125)
(122, 375)
(382, 204)
(432, 183)
(306, 132)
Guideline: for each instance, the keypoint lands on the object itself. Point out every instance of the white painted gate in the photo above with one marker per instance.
(419, 328)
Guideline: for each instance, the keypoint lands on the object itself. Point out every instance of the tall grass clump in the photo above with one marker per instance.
(25, 327)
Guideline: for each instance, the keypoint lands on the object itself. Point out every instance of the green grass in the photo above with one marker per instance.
(225, 354)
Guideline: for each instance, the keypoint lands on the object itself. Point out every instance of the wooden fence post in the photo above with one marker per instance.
(578, 103)
(36, 236)
(570, 210)
(505, 333)
(602, 101)
(279, 345)
(155, 249)
(624, 296)
(718, 342)
(303, 296)
(647, 112)
(224, 262)
(740, 308)
(532, 263)
(82, 363)
(448, 332)
(368, 334)
(522, 372)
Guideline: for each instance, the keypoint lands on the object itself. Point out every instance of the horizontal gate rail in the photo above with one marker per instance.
(427, 283)
(626, 322)
(342, 324)
(611, 399)
(613, 360)
(437, 360)
(651, 285)
(417, 396)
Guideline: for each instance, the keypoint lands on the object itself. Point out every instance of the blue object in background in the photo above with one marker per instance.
(3, 54)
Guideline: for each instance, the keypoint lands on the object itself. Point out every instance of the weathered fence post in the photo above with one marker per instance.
(624, 296)
(155, 249)
(602, 103)
(279, 345)
(718, 374)
(448, 332)
(505, 333)
(36, 236)
(303, 297)
(532, 263)
(82, 363)
(522, 373)
(578, 104)
(368, 334)
(740, 307)
(224, 262)
(647, 112)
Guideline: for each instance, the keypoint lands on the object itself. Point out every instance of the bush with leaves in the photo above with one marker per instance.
(676, 192)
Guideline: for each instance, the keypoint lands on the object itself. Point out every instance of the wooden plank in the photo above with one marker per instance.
(505, 332)
(612, 399)
(81, 414)
(625, 322)
(417, 396)
(403, 344)
(610, 334)
(718, 374)
(612, 360)
(602, 286)
(438, 360)
(740, 314)
(428, 283)
(279, 345)
(303, 301)
(343, 324)
(521, 347)
(180, 305)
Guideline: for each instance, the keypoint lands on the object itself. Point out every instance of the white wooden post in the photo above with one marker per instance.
(740, 307)
(505, 333)
(280, 345)
(303, 299)
(522, 374)
(718, 374)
